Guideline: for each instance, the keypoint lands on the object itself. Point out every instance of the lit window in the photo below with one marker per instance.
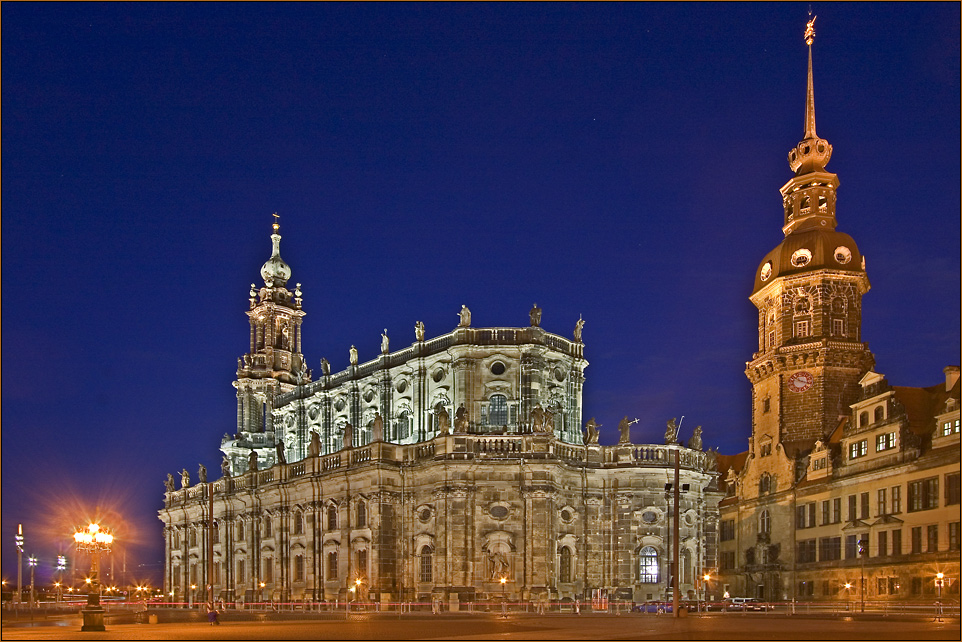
(648, 565)
(332, 565)
(884, 442)
(819, 463)
(858, 449)
(498, 410)
(427, 564)
(771, 339)
(564, 565)
(950, 428)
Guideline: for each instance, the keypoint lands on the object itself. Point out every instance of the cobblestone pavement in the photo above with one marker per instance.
(520, 627)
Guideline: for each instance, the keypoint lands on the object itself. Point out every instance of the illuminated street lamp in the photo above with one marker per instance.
(939, 582)
(18, 538)
(705, 579)
(95, 540)
(848, 596)
(504, 604)
(32, 563)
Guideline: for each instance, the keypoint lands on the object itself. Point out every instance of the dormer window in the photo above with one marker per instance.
(863, 419)
(820, 463)
(879, 413)
(766, 449)
(884, 442)
(950, 428)
(858, 449)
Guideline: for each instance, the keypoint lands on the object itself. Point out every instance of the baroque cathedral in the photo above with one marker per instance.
(453, 469)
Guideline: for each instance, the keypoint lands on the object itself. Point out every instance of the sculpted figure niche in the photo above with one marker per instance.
(461, 419)
(377, 430)
(444, 419)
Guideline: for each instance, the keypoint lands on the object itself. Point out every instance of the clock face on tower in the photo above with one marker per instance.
(801, 381)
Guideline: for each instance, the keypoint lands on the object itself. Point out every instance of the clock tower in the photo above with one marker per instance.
(808, 291)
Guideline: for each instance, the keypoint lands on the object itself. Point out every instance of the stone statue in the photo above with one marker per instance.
(535, 315)
(624, 427)
(184, 479)
(377, 432)
(353, 356)
(444, 419)
(169, 484)
(225, 467)
(348, 435)
(578, 326)
(225, 438)
(202, 474)
(419, 331)
(325, 367)
(279, 449)
(712, 459)
(695, 442)
(465, 315)
(499, 565)
(537, 419)
(385, 342)
(671, 433)
(548, 419)
(591, 429)
(314, 448)
(461, 419)
(252, 461)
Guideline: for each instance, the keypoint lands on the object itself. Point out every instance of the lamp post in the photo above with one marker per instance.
(848, 596)
(32, 563)
(18, 538)
(61, 567)
(504, 604)
(939, 582)
(96, 540)
(705, 579)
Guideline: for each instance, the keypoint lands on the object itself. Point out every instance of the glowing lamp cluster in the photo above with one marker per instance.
(93, 538)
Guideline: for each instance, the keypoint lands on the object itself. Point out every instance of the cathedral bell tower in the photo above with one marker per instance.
(274, 363)
(808, 292)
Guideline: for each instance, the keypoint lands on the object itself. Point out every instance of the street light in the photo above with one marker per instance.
(32, 563)
(18, 538)
(939, 582)
(848, 596)
(504, 604)
(705, 579)
(96, 540)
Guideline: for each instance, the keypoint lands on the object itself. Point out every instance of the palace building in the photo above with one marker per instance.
(432, 472)
(850, 487)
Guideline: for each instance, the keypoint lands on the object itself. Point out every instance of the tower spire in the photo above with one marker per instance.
(810, 97)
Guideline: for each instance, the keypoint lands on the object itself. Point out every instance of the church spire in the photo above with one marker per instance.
(810, 97)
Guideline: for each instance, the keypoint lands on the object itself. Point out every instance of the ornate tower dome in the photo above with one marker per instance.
(275, 271)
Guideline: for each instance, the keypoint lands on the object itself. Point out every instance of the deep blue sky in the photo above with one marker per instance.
(621, 162)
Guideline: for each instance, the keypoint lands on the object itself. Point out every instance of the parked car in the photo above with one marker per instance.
(746, 604)
(652, 607)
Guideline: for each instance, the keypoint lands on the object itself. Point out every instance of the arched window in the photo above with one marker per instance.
(863, 419)
(879, 413)
(361, 514)
(427, 564)
(765, 522)
(764, 484)
(332, 565)
(298, 523)
(564, 564)
(403, 425)
(498, 410)
(268, 527)
(331, 517)
(648, 567)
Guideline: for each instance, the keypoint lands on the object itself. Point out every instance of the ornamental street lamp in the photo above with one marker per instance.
(61, 567)
(939, 582)
(95, 540)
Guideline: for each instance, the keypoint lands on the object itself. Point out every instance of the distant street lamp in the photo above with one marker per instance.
(848, 596)
(706, 578)
(18, 538)
(32, 563)
(95, 540)
(939, 582)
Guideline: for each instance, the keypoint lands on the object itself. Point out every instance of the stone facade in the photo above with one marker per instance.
(833, 445)
(430, 473)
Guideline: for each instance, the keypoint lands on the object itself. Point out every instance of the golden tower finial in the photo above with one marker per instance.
(810, 30)
(277, 217)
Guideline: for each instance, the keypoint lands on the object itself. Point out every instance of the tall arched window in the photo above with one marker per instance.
(863, 419)
(331, 517)
(403, 425)
(648, 571)
(361, 514)
(879, 413)
(498, 410)
(764, 484)
(564, 564)
(427, 564)
(765, 522)
(298, 523)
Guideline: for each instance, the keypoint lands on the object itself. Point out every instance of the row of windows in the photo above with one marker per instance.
(949, 428)
(878, 414)
(883, 442)
(883, 585)
(924, 539)
(803, 329)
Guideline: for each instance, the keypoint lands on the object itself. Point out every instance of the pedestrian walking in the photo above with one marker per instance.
(212, 614)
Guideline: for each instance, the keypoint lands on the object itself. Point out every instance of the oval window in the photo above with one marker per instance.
(497, 368)
(498, 512)
(766, 271)
(801, 257)
(843, 255)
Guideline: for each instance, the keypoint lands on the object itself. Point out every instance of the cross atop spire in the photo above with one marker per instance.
(277, 217)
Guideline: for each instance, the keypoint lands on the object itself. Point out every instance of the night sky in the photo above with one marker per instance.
(620, 162)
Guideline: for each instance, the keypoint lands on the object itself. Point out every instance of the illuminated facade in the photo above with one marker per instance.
(430, 472)
(839, 461)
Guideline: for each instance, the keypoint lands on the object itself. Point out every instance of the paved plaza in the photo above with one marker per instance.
(514, 627)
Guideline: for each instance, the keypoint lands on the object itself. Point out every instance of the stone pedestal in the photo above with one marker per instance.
(93, 618)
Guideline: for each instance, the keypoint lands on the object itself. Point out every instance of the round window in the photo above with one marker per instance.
(497, 368)
(340, 403)
(649, 517)
(368, 395)
(801, 257)
(766, 271)
(438, 375)
(424, 514)
(566, 515)
(402, 385)
(498, 512)
(559, 374)
(843, 255)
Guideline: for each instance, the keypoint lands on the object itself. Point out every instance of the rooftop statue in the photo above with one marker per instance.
(314, 448)
(419, 331)
(624, 427)
(535, 315)
(252, 461)
(385, 342)
(184, 479)
(591, 428)
(348, 435)
(461, 419)
(353, 353)
(578, 326)
(225, 467)
(279, 449)
(671, 432)
(325, 367)
(695, 442)
(444, 419)
(169, 483)
(465, 315)
(378, 428)
(202, 474)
